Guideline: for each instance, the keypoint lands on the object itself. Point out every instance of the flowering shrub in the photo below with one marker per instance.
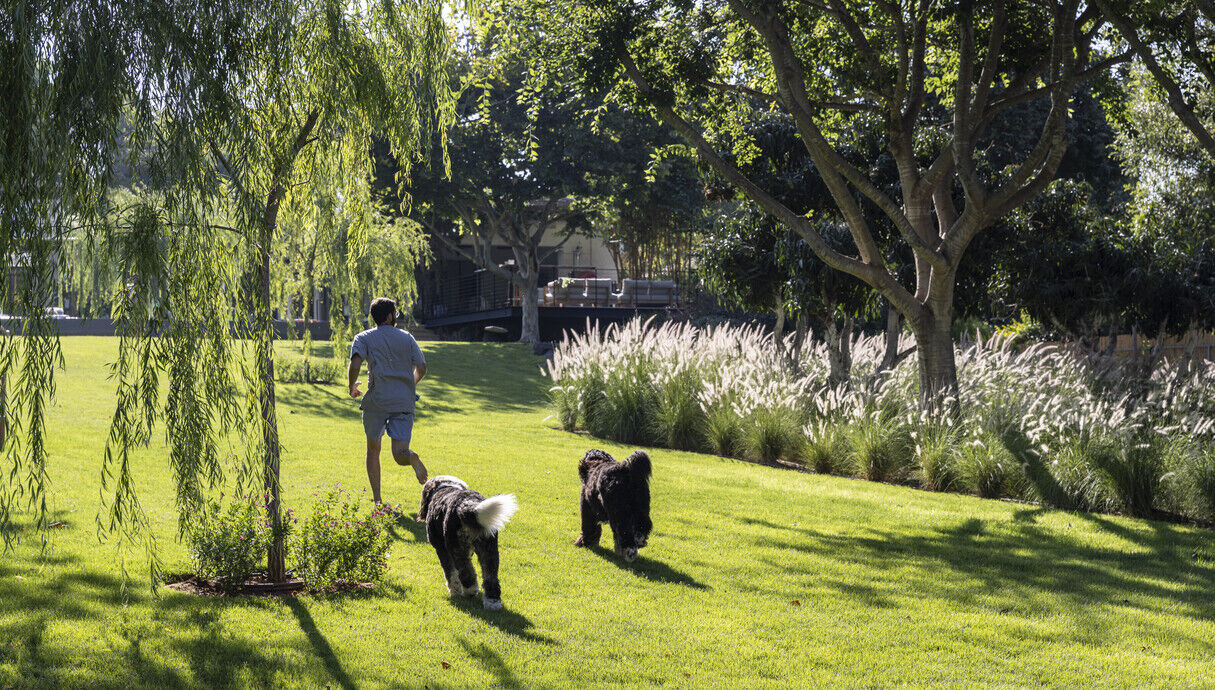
(229, 545)
(338, 541)
(1038, 422)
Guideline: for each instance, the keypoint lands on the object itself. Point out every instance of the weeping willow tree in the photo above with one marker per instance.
(72, 70)
(283, 109)
(315, 251)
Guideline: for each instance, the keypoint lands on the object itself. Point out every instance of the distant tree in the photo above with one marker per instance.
(648, 198)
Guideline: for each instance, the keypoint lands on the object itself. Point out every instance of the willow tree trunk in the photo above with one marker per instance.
(275, 568)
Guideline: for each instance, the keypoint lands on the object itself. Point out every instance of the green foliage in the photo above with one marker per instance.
(937, 449)
(625, 409)
(988, 469)
(565, 401)
(678, 415)
(724, 430)
(339, 541)
(307, 370)
(773, 433)
(878, 448)
(1134, 472)
(1193, 479)
(255, 144)
(827, 449)
(229, 545)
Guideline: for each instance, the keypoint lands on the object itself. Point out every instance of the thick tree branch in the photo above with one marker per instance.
(875, 275)
(1177, 101)
(832, 166)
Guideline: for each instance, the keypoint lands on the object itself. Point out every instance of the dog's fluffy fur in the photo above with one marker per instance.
(459, 521)
(617, 493)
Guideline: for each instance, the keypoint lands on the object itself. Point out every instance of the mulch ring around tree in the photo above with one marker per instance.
(258, 586)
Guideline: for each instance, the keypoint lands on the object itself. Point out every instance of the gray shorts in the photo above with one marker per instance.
(399, 425)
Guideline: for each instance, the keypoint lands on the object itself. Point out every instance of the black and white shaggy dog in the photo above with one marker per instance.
(617, 493)
(460, 521)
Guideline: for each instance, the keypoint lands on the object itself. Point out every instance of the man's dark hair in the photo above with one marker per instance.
(382, 310)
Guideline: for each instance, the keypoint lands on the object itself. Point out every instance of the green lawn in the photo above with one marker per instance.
(753, 577)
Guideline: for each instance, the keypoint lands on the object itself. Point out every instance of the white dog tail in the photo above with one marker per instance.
(493, 512)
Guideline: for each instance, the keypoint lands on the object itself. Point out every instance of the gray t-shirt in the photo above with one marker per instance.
(391, 355)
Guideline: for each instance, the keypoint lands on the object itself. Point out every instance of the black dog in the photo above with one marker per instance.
(617, 493)
(459, 520)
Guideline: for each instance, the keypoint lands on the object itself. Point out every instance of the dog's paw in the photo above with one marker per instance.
(492, 604)
(579, 541)
(454, 588)
(628, 554)
(471, 591)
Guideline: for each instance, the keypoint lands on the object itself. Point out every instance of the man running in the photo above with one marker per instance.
(394, 367)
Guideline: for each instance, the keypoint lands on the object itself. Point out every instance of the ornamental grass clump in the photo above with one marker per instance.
(826, 450)
(680, 421)
(1192, 479)
(879, 448)
(342, 539)
(1059, 426)
(936, 451)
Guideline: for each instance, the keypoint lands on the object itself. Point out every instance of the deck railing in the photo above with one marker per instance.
(486, 291)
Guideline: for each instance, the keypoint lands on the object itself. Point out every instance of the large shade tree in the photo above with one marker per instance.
(698, 65)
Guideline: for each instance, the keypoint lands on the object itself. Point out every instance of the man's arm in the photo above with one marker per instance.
(356, 365)
(419, 373)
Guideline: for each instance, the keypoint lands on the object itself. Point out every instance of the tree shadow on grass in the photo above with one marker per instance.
(499, 377)
(507, 620)
(319, 643)
(464, 378)
(56, 589)
(1043, 569)
(317, 399)
(492, 662)
(649, 569)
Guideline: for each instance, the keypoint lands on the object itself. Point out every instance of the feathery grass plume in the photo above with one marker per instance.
(1036, 422)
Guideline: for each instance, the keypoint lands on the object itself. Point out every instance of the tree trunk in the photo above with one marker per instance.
(938, 369)
(890, 359)
(799, 340)
(839, 351)
(529, 331)
(275, 569)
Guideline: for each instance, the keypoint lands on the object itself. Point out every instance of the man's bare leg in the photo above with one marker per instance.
(404, 456)
(373, 467)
